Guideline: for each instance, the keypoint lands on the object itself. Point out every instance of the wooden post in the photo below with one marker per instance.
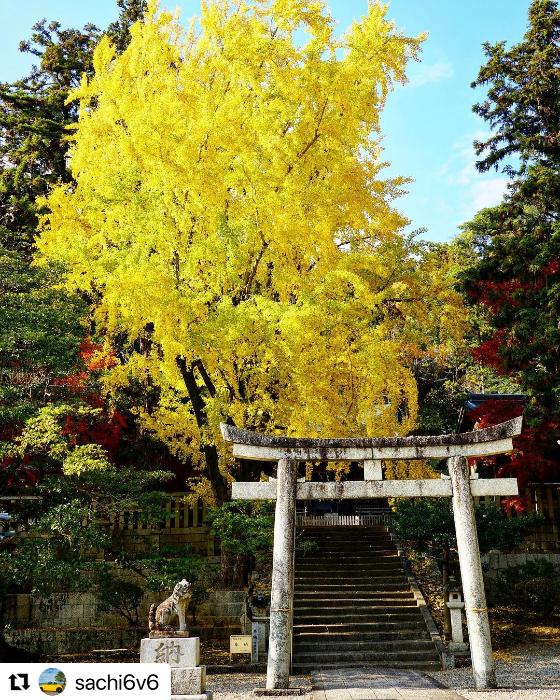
(281, 599)
(471, 575)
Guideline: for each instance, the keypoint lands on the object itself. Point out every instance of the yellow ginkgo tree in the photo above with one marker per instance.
(229, 218)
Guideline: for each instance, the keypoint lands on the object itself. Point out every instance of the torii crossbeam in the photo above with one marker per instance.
(460, 487)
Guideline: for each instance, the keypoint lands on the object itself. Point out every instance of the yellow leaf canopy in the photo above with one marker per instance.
(229, 218)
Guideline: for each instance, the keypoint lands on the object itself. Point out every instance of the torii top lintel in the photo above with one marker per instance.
(478, 443)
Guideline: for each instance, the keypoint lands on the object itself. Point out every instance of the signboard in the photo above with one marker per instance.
(240, 644)
(255, 641)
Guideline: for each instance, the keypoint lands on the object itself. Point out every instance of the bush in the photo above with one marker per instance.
(246, 531)
(119, 596)
(171, 564)
(306, 547)
(534, 586)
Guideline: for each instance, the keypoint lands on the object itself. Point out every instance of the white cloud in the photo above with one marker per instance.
(430, 73)
(477, 190)
(488, 193)
(460, 167)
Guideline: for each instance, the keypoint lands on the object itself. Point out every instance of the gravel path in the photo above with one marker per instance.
(240, 686)
(530, 673)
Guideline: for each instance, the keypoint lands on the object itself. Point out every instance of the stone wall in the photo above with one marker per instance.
(74, 641)
(144, 541)
(494, 562)
(62, 610)
(72, 623)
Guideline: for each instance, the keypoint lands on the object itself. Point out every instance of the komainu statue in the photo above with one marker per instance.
(161, 617)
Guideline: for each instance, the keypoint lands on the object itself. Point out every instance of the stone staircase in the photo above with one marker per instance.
(353, 606)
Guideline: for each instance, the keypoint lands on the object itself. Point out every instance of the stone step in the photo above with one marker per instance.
(337, 566)
(394, 571)
(390, 558)
(425, 654)
(340, 616)
(359, 581)
(331, 596)
(304, 668)
(386, 657)
(348, 545)
(350, 589)
(384, 624)
(402, 633)
(361, 645)
(347, 557)
(349, 573)
(344, 531)
(307, 604)
(301, 607)
(350, 581)
(327, 554)
(320, 555)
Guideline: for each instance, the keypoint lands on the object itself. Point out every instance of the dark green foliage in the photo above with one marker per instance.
(533, 586)
(515, 272)
(58, 536)
(171, 564)
(33, 120)
(40, 332)
(497, 531)
(245, 529)
(306, 546)
(427, 525)
(130, 11)
(523, 99)
(119, 596)
(162, 569)
(35, 115)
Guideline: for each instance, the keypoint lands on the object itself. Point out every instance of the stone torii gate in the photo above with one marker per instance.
(461, 486)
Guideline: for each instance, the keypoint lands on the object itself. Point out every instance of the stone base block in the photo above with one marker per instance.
(458, 647)
(185, 681)
(203, 696)
(175, 651)
(164, 634)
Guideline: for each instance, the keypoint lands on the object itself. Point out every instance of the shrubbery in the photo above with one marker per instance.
(533, 586)
(245, 529)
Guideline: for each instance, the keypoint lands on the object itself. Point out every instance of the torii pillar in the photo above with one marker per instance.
(460, 487)
(282, 590)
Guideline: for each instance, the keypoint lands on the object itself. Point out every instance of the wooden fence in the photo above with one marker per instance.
(178, 516)
(181, 524)
(186, 521)
(332, 520)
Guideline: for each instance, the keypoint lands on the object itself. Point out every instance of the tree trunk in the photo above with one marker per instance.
(217, 481)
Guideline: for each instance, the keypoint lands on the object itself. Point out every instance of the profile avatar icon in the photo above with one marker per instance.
(52, 681)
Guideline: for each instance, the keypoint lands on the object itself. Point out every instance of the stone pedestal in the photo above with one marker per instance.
(456, 605)
(188, 678)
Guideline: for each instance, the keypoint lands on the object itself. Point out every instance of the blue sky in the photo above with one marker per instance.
(428, 124)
